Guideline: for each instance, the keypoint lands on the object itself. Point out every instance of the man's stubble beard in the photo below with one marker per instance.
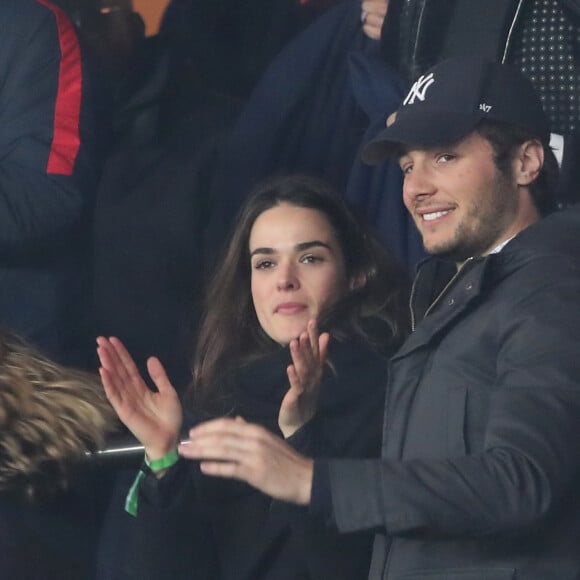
(483, 225)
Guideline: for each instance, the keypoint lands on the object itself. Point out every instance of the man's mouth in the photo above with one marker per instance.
(434, 215)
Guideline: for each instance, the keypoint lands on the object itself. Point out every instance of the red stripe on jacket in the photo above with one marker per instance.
(66, 135)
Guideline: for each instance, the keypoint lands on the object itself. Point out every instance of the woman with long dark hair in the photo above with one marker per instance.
(301, 316)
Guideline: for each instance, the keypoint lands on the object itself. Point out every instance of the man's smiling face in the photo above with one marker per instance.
(461, 203)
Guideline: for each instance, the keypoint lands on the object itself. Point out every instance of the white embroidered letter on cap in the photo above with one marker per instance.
(419, 89)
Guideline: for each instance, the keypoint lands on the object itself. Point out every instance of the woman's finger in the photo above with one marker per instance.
(312, 329)
(111, 390)
(158, 374)
(323, 342)
(111, 360)
(300, 354)
(115, 375)
(294, 379)
(125, 358)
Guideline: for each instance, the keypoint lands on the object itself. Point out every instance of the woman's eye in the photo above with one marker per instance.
(263, 264)
(311, 259)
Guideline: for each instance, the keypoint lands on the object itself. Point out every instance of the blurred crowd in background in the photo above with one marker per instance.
(184, 123)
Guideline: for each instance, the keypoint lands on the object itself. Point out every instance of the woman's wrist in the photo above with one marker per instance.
(160, 465)
(159, 452)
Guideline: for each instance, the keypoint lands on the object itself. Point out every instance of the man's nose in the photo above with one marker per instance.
(418, 183)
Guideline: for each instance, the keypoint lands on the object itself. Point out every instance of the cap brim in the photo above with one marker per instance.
(421, 129)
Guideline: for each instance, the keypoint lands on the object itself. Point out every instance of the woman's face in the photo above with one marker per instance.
(297, 269)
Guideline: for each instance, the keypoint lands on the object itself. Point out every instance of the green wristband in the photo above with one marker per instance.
(132, 501)
(163, 462)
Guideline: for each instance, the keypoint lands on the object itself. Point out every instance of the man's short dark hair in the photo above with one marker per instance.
(505, 139)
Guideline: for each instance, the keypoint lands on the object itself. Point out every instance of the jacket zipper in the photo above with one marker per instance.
(511, 31)
(439, 296)
(411, 300)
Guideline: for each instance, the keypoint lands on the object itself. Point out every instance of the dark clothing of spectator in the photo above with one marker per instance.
(47, 176)
(309, 114)
(46, 179)
(54, 538)
(151, 210)
(229, 43)
(540, 37)
(480, 468)
(190, 526)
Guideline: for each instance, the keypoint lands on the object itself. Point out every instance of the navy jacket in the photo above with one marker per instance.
(480, 465)
(45, 176)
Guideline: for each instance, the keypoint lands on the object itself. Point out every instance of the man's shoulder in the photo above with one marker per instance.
(540, 268)
(556, 235)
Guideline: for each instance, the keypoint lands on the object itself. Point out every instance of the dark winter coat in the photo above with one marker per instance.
(481, 465)
(46, 176)
(190, 526)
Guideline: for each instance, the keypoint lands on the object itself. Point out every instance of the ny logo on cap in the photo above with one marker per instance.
(419, 89)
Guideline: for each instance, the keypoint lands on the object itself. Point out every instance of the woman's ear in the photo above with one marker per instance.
(528, 162)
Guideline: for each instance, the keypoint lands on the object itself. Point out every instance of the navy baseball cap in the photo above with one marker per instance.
(445, 104)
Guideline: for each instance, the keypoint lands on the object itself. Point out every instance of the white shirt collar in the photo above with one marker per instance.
(501, 246)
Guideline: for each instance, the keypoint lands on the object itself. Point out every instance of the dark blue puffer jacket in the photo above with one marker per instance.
(46, 177)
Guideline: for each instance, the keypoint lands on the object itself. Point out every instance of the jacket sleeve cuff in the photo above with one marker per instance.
(321, 497)
(160, 492)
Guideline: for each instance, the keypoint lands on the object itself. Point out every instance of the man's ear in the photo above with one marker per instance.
(528, 162)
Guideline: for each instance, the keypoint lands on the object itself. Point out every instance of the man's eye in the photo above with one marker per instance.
(445, 158)
(406, 169)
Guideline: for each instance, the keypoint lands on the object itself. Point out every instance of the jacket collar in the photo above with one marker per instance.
(440, 294)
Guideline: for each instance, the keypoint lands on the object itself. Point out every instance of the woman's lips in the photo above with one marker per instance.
(289, 308)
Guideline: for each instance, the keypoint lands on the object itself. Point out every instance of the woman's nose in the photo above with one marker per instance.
(287, 278)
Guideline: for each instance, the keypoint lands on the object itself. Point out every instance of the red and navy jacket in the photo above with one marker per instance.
(46, 175)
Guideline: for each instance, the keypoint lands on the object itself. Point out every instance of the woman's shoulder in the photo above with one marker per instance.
(374, 339)
(357, 367)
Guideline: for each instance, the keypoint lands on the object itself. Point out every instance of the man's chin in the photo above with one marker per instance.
(447, 251)
(439, 249)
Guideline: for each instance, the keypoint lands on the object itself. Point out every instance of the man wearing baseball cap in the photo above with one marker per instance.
(480, 470)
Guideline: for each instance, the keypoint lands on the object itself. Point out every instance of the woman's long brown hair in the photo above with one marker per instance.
(230, 333)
